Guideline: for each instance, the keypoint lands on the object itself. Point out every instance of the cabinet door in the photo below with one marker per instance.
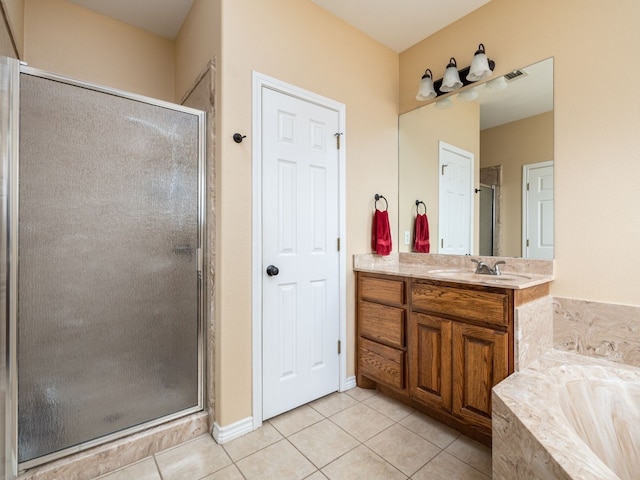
(480, 361)
(430, 362)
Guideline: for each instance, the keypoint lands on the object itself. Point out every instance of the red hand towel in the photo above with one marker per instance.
(421, 242)
(381, 233)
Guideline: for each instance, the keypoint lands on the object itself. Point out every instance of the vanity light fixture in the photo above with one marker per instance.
(451, 80)
(481, 67)
(425, 89)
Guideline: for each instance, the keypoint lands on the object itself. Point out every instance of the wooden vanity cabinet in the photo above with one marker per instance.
(430, 362)
(464, 350)
(439, 346)
(381, 332)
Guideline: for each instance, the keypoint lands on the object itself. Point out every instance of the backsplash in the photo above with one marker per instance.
(513, 265)
(603, 330)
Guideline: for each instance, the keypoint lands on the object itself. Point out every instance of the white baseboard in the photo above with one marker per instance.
(227, 433)
(349, 383)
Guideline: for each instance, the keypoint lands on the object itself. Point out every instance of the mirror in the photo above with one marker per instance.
(503, 132)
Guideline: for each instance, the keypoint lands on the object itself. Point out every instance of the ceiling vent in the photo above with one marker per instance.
(511, 76)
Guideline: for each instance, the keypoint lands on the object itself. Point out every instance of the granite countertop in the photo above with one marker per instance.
(516, 274)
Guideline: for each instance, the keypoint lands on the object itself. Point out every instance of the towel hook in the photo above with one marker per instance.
(418, 202)
(378, 197)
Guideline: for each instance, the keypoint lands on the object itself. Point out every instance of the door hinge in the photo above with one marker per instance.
(443, 167)
(339, 347)
(338, 135)
(527, 242)
(442, 243)
(527, 186)
(338, 243)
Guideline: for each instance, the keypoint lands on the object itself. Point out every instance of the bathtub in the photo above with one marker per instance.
(568, 416)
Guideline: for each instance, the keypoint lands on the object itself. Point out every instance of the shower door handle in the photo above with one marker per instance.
(272, 270)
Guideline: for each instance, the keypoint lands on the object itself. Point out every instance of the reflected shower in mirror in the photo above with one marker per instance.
(498, 137)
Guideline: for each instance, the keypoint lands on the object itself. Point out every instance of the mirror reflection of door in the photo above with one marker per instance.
(537, 210)
(456, 201)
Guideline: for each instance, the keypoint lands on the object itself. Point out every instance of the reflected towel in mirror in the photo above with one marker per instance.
(421, 242)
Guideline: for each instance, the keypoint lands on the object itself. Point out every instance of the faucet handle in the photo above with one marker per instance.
(479, 264)
(496, 266)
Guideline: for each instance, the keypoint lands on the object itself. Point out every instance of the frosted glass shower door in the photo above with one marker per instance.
(109, 238)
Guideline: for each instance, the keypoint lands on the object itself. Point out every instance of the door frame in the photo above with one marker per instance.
(526, 169)
(261, 81)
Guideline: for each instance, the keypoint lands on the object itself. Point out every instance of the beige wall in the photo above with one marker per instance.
(7, 48)
(514, 145)
(64, 38)
(420, 132)
(597, 226)
(198, 42)
(299, 43)
(15, 13)
(288, 40)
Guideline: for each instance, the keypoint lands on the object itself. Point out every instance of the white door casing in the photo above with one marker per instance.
(455, 224)
(299, 314)
(537, 211)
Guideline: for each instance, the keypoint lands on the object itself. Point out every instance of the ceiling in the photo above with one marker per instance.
(398, 24)
(162, 17)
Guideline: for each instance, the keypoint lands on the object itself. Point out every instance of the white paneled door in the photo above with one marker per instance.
(300, 229)
(537, 235)
(455, 222)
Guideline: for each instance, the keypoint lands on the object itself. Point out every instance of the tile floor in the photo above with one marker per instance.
(359, 434)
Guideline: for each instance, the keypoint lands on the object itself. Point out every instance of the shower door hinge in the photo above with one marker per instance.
(199, 260)
(339, 347)
(337, 135)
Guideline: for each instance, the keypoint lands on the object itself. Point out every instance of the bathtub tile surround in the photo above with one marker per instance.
(533, 331)
(602, 330)
(561, 418)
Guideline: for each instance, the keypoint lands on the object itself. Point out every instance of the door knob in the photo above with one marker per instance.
(272, 270)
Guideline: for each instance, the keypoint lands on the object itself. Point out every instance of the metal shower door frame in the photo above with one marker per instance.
(10, 186)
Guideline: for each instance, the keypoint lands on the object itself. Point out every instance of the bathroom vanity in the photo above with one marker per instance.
(438, 338)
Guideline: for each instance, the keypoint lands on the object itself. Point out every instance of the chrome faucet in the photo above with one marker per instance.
(484, 269)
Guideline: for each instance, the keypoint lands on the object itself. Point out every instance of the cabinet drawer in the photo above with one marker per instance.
(382, 290)
(382, 323)
(487, 307)
(381, 363)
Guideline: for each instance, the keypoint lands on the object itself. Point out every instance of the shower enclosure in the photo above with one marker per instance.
(103, 196)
